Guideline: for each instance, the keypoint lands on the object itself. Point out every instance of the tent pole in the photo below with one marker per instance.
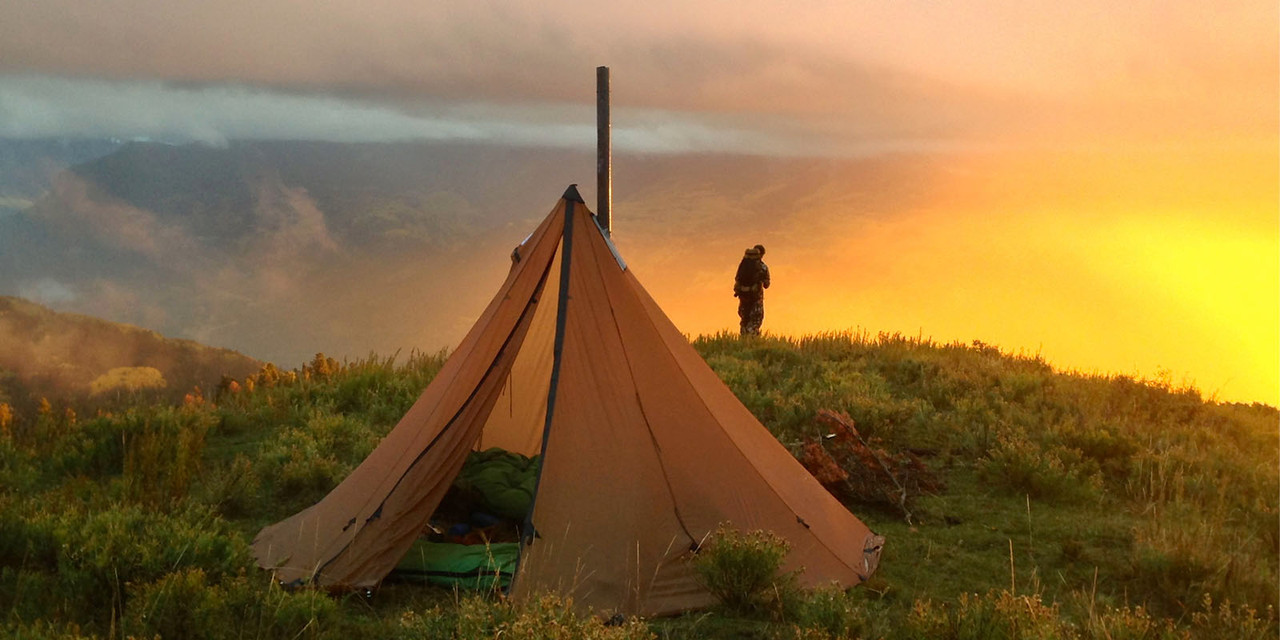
(604, 153)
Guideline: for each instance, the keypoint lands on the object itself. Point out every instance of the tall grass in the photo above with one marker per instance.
(1078, 506)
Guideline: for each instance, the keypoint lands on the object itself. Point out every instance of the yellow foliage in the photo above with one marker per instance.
(128, 379)
(6, 420)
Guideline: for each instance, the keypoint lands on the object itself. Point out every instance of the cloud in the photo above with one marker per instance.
(41, 106)
(76, 207)
(47, 291)
(822, 76)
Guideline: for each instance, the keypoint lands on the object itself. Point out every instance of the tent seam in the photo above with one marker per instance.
(739, 448)
(666, 477)
(557, 355)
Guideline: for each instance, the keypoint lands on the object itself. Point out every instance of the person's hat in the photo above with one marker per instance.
(753, 253)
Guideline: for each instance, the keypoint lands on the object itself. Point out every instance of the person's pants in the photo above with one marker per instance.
(751, 312)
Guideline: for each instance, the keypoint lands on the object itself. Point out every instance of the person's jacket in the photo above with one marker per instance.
(752, 278)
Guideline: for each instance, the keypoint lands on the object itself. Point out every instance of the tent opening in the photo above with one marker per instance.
(472, 538)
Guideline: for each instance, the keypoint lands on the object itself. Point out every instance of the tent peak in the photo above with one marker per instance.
(572, 194)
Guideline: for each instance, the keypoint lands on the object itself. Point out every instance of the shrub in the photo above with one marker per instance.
(1182, 553)
(1020, 465)
(234, 490)
(305, 613)
(101, 554)
(186, 605)
(178, 605)
(44, 630)
(1226, 622)
(548, 617)
(305, 462)
(995, 616)
(836, 614)
(1129, 624)
(28, 537)
(31, 595)
(743, 572)
(164, 455)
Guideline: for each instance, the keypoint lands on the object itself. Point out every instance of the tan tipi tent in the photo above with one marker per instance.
(644, 450)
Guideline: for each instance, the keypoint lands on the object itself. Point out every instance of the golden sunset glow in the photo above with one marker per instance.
(1137, 264)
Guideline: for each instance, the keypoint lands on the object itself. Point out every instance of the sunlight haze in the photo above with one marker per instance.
(1093, 182)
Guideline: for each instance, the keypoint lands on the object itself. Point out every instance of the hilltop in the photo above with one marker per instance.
(71, 357)
(1061, 505)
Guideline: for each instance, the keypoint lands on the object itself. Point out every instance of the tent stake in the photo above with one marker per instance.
(604, 153)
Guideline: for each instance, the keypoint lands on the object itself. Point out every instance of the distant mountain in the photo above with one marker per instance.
(27, 167)
(67, 356)
(282, 249)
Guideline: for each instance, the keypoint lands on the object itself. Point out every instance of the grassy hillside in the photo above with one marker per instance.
(1069, 506)
(44, 353)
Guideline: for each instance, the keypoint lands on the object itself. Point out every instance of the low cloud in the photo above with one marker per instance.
(42, 106)
(47, 291)
(818, 78)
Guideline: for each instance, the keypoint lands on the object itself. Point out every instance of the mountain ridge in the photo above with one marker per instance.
(277, 248)
(71, 357)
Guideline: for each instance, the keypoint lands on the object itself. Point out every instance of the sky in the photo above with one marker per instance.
(1132, 146)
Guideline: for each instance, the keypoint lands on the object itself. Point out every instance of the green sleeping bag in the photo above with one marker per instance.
(501, 480)
(473, 566)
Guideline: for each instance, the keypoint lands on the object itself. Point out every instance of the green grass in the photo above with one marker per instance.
(1074, 506)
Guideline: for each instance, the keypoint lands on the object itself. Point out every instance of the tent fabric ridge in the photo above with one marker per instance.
(422, 454)
(562, 307)
(609, 243)
(653, 323)
(626, 354)
(666, 476)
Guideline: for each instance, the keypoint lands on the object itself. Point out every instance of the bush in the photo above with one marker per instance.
(1020, 465)
(303, 463)
(179, 605)
(185, 605)
(31, 595)
(1181, 554)
(44, 630)
(546, 618)
(835, 612)
(1226, 622)
(995, 616)
(164, 455)
(1129, 624)
(102, 553)
(28, 537)
(234, 490)
(305, 613)
(743, 572)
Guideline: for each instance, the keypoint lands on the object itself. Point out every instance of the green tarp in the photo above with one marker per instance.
(466, 566)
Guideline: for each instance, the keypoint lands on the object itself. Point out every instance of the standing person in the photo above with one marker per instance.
(748, 287)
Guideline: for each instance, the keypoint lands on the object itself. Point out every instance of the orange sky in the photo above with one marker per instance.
(1154, 265)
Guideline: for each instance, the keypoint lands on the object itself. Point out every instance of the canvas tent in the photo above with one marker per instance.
(644, 450)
